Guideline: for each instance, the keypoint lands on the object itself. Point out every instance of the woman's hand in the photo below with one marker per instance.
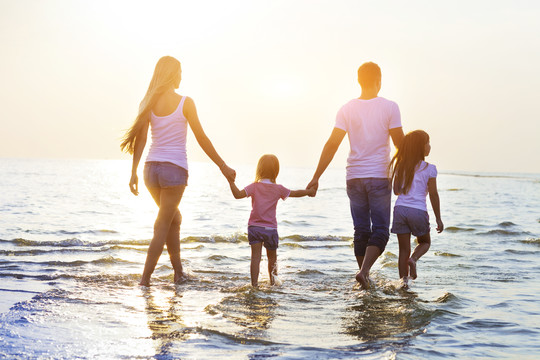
(134, 184)
(313, 184)
(229, 173)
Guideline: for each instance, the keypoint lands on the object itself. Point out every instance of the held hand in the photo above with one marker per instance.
(229, 173)
(313, 184)
(440, 226)
(311, 192)
(134, 184)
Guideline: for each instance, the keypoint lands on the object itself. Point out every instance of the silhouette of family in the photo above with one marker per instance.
(370, 121)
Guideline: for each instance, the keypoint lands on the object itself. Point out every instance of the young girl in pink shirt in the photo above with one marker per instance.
(262, 225)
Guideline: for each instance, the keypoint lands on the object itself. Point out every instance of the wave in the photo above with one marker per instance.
(504, 232)
(440, 253)
(73, 242)
(531, 241)
(310, 272)
(235, 238)
(446, 298)
(458, 229)
(218, 257)
(71, 232)
(58, 250)
(300, 238)
(104, 260)
(520, 252)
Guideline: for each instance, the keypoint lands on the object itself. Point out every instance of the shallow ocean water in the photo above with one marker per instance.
(73, 242)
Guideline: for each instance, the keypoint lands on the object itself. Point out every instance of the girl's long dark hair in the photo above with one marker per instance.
(407, 158)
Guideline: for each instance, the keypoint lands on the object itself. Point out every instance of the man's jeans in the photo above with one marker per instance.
(370, 209)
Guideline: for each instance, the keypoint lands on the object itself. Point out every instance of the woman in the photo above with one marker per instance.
(166, 170)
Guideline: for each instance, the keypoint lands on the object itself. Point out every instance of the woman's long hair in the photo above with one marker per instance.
(166, 74)
(407, 158)
(267, 168)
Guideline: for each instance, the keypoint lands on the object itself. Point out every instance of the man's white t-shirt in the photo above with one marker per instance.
(368, 124)
(416, 197)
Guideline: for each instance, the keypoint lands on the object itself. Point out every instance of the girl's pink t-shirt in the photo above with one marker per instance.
(264, 197)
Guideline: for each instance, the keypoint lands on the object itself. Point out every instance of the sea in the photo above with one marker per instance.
(73, 242)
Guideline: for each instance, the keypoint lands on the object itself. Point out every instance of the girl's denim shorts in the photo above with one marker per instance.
(410, 220)
(164, 174)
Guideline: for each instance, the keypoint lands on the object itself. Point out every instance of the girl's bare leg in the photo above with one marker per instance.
(424, 242)
(272, 265)
(168, 200)
(404, 241)
(256, 251)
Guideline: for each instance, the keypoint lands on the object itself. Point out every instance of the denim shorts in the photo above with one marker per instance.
(409, 220)
(164, 174)
(269, 237)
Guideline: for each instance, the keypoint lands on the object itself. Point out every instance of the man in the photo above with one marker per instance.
(370, 122)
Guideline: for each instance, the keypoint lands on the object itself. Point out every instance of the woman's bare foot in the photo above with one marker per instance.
(412, 268)
(179, 277)
(363, 280)
(144, 283)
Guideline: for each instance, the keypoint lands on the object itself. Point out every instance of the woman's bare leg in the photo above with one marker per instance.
(168, 200)
(173, 246)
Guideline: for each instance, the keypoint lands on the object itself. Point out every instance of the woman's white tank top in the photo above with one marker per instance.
(169, 137)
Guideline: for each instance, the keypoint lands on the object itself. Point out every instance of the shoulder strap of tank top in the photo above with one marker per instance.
(181, 105)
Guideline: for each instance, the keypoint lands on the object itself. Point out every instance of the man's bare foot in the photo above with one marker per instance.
(144, 283)
(363, 280)
(412, 268)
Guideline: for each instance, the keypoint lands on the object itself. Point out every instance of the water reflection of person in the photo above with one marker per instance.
(164, 320)
(374, 317)
(252, 310)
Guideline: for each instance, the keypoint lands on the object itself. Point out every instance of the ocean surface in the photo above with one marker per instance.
(73, 242)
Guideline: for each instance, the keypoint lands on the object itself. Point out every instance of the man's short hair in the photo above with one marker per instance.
(369, 74)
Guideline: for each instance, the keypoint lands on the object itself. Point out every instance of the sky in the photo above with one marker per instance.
(270, 76)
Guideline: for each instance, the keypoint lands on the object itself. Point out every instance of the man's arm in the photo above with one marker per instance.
(397, 136)
(328, 152)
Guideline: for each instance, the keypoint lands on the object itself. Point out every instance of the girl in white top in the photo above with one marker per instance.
(168, 114)
(413, 180)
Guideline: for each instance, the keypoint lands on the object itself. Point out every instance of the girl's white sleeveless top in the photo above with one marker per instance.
(169, 137)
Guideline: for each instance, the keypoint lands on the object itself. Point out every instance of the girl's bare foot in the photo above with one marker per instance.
(405, 282)
(412, 268)
(363, 280)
